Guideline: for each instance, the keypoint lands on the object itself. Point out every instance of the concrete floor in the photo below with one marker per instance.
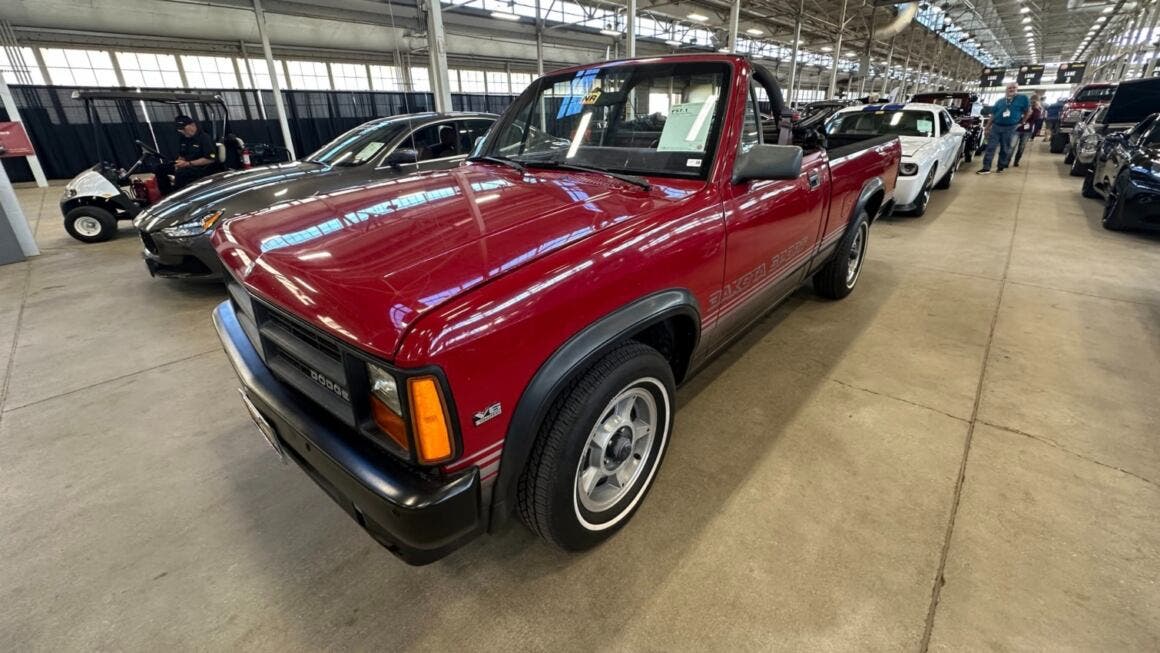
(963, 455)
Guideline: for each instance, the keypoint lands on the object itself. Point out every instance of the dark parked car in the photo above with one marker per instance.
(961, 106)
(1132, 102)
(1126, 174)
(176, 230)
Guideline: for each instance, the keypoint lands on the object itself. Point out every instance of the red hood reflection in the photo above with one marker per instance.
(363, 263)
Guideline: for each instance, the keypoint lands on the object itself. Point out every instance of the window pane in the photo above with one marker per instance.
(350, 76)
(386, 78)
(309, 75)
(497, 82)
(145, 69)
(420, 81)
(453, 80)
(209, 72)
(471, 81)
(520, 81)
(79, 67)
(260, 73)
(22, 70)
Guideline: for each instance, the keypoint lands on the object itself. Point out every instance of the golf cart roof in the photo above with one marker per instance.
(171, 97)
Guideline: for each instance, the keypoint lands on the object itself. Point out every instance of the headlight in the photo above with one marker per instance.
(1088, 145)
(908, 169)
(194, 227)
(430, 421)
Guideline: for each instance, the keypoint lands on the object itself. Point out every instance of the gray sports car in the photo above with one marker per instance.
(176, 230)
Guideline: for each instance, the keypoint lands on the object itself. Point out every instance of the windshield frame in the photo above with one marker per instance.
(524, 102)
(402, 127)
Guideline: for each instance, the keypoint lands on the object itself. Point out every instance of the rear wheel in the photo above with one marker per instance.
(599, 448)
(837, 278)
(90, 224)
(949, 177)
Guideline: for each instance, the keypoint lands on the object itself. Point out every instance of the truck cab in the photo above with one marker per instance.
(444, 351)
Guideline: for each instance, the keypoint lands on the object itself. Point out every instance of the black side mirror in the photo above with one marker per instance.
(402, 156)
(768, 162)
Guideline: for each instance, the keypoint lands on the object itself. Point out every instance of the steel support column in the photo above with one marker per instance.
(838, 51)
(278, 104)
(734, 18)
(437, 56)
(630, 30)
(797, 36)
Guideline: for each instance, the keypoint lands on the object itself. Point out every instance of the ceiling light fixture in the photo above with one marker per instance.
(1026, 19)
(504, 15)
(675, 44)
(1100, 19)
(754, 31)
(700, 18)
(826, 48)
(1108, 10)
(609, 32)
(1025, 10)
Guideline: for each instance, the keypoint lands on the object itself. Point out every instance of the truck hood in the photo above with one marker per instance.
(364, 263)
(240, 191)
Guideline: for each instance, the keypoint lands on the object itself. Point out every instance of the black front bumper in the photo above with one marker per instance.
(418, 517)
(1141, 206)
(181, 258)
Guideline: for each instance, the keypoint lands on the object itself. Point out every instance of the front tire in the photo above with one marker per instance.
(1088, 189)
(923, 198)
(1058, 142)
(1069, 159)
(1078, 169)
(1113, 219)
(90, 224)
(599, 448)
(837, 278)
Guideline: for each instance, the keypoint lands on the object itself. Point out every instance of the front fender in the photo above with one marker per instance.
(572, 358)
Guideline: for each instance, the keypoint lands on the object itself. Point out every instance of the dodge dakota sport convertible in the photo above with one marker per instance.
(442, 351)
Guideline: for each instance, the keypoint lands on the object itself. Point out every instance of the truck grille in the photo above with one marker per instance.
(302, 357)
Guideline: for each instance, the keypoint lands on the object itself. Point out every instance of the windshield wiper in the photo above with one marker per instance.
(502, 160)
(560, 165)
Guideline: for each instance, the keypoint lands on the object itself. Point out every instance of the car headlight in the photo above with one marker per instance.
(1088, 145)
(908, 169)
(194, 227)
(426, 408)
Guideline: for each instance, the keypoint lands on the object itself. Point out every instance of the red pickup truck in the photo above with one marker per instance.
(1086, 100)
(444, 350)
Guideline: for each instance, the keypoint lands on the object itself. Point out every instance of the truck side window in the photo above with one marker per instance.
(751, 131)
(944, 121)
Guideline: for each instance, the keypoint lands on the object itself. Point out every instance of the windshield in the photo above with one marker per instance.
(358, 145)
(1095, 94)
(952, 103)
(651, 119)
(901, 122)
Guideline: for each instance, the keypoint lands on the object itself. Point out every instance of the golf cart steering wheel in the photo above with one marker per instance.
(145, 149)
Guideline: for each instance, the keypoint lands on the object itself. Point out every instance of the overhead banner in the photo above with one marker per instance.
(1030, 75)
(1071, 72)
(993, 76)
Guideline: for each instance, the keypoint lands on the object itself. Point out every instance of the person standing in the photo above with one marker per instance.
(1026, 129)
(1006, 116)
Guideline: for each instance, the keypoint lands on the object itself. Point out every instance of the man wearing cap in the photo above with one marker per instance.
(1006, 116)
(196, 156)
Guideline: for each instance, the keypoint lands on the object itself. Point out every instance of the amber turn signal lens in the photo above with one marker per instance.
(429, 417)
(389, 422)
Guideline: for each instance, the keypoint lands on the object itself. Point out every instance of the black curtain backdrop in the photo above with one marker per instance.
(67, 142)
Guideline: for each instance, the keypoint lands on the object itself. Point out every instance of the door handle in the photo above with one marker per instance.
(814, 178)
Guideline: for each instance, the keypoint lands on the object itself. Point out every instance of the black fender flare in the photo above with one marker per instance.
(573, 356)
(869, 188)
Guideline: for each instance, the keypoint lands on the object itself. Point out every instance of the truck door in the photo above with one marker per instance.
(771, 226)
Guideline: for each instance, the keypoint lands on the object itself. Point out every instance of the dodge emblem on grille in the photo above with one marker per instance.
(330, 385)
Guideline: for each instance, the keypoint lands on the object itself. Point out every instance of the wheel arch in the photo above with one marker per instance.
(668, 320)
(870, 198)
(88, 200)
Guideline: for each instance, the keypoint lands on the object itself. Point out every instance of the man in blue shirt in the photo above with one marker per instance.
(1006, 116)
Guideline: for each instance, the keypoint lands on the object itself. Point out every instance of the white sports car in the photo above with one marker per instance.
(932, 145)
